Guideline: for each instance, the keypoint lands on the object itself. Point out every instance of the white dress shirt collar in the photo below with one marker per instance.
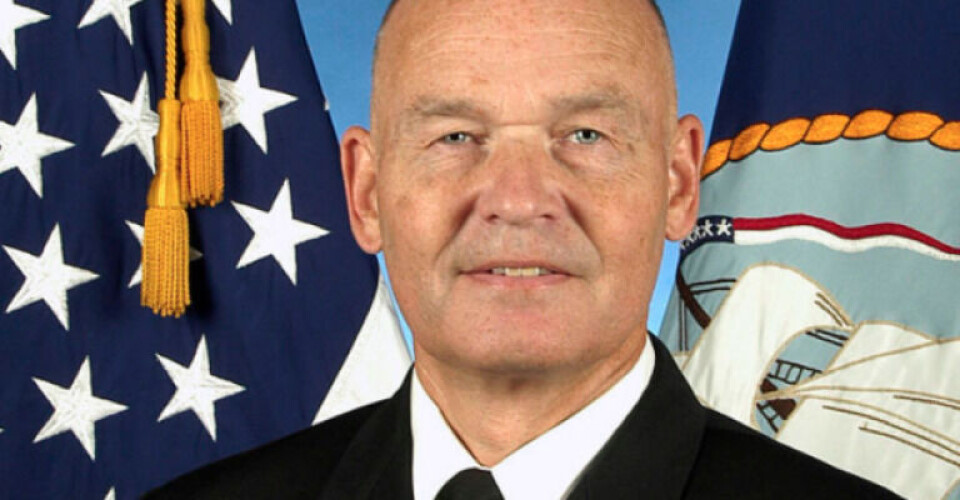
(546, 468)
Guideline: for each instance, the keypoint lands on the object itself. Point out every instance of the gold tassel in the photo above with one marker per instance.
(201, 179)
(165, 287)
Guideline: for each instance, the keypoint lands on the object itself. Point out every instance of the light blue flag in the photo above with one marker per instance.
(818, 298)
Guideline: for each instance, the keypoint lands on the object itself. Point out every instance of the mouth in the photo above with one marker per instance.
(521, 272)
(514, 274)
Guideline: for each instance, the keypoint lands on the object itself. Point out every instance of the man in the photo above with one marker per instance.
(524, 164)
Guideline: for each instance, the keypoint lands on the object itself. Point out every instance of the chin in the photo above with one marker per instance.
(520, 344)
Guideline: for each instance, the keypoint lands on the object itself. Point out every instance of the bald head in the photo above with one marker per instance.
(637, 24)
(386, 17)
(651, 3)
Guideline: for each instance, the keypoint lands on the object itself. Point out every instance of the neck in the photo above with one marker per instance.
(495, 413)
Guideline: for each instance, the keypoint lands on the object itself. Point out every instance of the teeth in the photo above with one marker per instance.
(520, 272)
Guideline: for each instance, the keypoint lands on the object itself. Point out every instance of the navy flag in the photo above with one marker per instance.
(99, 398)
(816, 300)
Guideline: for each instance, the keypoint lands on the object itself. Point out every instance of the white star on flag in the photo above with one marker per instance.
(76, 409)
(225, 9)
(276, 233)
(244, 101)
(118, 9)
(137, 231)
(197, 389)
(12, 18)
(48, 278)
(723, 228)
(23, 146)
(138, 123)
(707, 228)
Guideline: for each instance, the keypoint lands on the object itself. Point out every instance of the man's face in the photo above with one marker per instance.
(521, 179)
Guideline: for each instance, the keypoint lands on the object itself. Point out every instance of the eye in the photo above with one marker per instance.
(585, 136)
(456, 138)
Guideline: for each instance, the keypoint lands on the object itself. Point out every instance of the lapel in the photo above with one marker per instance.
(652, 453)
(377, 464)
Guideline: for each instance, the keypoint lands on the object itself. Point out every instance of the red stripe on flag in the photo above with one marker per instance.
(845, 232)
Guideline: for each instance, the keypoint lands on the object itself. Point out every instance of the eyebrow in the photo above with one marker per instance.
(425, 107)
(591, 101)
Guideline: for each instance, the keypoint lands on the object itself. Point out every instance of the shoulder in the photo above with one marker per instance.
(291, 467)
(733, 455)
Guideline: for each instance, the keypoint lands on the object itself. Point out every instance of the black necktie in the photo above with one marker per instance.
(470, 484)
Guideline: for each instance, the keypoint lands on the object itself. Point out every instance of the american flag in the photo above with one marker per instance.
(99, 398)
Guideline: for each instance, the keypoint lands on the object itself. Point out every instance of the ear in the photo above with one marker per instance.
(686, 156)
(360, 182)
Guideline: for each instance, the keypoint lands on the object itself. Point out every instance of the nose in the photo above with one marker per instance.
(520, 186)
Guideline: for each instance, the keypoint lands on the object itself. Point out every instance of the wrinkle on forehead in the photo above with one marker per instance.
(428, 31)
(609, 99)
(438, 17)
(518, 20)
(451, 33)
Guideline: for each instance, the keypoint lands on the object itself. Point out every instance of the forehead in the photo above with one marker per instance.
(473, 46)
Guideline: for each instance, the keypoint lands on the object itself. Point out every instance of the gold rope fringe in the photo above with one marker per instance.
(166, 245)
(909, 126)
(165, 287)
(166, 273)
(202, 154)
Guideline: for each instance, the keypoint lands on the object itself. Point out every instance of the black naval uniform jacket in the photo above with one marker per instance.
(669, 446)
